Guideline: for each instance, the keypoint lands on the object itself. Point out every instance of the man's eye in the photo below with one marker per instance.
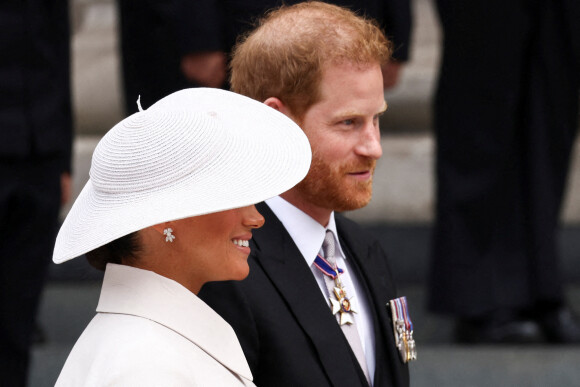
(348, 122)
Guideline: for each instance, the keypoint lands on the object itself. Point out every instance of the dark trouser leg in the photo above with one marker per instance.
(29, 204)
(552, 117)
(503, 146)
(479, 233)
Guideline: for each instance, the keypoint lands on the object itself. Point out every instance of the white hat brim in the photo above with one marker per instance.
(253, 153)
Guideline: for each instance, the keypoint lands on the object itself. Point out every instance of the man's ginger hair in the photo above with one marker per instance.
(285, 56)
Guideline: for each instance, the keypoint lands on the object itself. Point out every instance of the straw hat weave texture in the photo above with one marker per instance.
(194, 152)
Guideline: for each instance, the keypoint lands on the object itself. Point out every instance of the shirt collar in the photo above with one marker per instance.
(306, 232)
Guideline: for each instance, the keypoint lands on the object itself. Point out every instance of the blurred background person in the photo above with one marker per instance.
(35, 157)
(150, 53)
(506, 116)
(209, 29)
(188, 42)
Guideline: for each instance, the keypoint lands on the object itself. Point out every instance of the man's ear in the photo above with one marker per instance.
(275, 103)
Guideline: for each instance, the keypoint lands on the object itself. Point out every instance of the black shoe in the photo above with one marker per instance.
(500, 327)
(560, 326)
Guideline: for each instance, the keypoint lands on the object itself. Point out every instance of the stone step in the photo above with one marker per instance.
(408, 247)
(460, 366)
(436, 366)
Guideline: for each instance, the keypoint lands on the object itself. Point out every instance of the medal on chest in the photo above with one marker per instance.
(339, 301)
(403, 329)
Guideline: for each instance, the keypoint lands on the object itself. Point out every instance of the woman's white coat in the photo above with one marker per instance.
(151, 331)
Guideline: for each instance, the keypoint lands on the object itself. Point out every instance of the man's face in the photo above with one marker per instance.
(343, 129)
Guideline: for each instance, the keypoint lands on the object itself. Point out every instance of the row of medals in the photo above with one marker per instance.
(405, 342)
(346, 306)
(403, 336)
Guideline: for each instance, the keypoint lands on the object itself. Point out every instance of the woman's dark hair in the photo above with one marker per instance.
(119, 251)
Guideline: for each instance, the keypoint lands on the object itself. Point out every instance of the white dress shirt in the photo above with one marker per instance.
(308, 236)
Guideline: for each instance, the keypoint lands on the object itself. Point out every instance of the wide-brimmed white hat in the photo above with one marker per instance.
(194, 152)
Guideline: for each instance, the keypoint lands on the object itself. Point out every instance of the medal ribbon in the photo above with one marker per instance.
(402, 311)
(325, 267)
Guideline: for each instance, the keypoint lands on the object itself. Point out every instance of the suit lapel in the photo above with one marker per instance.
(372, 269)
(277, 254)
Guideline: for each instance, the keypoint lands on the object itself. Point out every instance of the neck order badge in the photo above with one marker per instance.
(403, 328)
(341, 303)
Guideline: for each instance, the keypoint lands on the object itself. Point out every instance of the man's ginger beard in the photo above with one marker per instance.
(327, 186)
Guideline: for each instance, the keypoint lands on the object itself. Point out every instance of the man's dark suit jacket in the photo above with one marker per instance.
(286, 329)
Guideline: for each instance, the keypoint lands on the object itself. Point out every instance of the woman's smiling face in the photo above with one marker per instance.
(213, 247)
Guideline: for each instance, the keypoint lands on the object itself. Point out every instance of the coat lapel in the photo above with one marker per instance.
(142, 293)
(371, 266)
(277, 254)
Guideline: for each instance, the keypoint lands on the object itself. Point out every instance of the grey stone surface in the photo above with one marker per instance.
(409, 247)
(450, 366)
(65, 311)
(96, 74)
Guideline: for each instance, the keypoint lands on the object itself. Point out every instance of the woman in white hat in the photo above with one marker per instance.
(169, 207)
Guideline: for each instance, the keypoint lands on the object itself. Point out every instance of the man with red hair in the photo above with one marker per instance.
(315, 309)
